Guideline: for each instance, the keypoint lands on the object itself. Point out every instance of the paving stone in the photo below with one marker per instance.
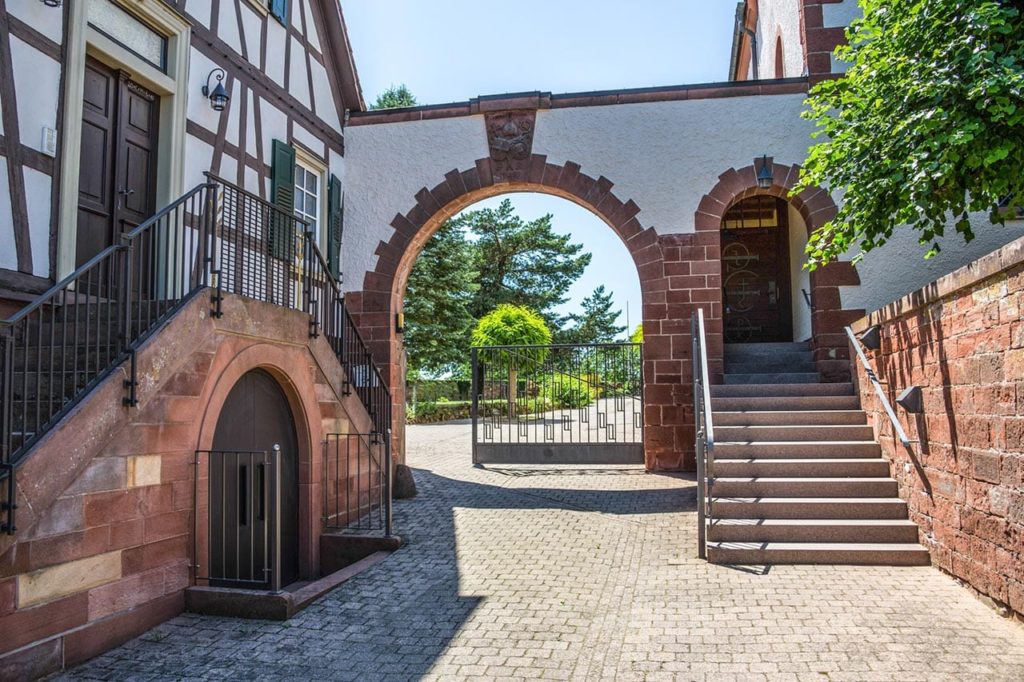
(581, 574)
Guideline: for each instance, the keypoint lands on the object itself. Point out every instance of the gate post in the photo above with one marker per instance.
(474, 409)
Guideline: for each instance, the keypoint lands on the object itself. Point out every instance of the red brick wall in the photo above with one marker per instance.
(113, 487)
(961, 340)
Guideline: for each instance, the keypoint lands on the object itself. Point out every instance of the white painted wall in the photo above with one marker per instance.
(800, 279)
(779, 18)
(385, 165)
(898, 268)
(667, 155)
(46, 20)
(37, 200)
(37, 89)
(8, 256)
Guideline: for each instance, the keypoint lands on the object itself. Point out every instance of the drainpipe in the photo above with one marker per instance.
(742, 25)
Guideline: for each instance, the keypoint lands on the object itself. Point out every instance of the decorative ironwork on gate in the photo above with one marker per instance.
(558, 404)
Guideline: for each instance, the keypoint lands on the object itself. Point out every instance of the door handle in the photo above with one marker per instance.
(126, 192)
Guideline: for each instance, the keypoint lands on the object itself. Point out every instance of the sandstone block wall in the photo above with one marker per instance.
(104, 546)
(962, 341)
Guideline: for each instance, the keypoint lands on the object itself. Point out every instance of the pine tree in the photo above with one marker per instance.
(395, 97)
(441, 288)
(596, 324)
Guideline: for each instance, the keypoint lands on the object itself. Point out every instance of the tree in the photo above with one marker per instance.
(395, 97)
(521, 263)
(441, 288)
(926, 125)
(513, 325)
(638, 334)
(596, 324)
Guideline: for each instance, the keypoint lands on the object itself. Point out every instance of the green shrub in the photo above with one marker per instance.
(569, 392)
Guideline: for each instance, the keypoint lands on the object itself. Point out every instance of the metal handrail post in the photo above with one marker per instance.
(474, 410)
(388, 486)
(698, 444)
(275, 516)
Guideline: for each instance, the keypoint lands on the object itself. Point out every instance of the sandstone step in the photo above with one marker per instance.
(734, 349)
(808, 508)
(769, 364)
(788, 417)
(863, 487)
(833, 468)
(795, 449)
(880, 554)
(813, 530)
(773, 378)
(779, 390)
(779, 403)
(794, 433)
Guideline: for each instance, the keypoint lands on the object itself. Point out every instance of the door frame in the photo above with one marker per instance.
(172, 87)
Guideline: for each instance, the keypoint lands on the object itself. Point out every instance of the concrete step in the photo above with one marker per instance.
(772, 378)
(784, 403)
(808, 508)
(769, 364)
(796, 449)
(828, 468)
(812, 530)
(804, 487)
(779, 390)
(789, 418)
(878, 554)
(793, 433)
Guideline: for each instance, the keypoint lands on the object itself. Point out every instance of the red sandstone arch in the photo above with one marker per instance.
(667, 434)
(816, 206)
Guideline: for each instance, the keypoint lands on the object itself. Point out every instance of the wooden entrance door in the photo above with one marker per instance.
(757, 305)
(255, 417)
(117, 177)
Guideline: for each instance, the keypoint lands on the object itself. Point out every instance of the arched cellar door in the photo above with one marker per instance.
(255, 417)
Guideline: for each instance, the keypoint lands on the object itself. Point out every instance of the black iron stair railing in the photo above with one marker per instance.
(57, 349)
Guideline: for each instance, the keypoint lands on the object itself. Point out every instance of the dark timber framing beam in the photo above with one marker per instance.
(15, 176)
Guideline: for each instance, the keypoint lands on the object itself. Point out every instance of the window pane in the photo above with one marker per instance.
(310, 204)
(298, 202)
(311, 179)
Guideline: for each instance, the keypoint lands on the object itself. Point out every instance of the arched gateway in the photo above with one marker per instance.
(658, 170)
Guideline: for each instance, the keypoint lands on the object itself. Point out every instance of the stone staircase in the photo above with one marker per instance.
(799, 477)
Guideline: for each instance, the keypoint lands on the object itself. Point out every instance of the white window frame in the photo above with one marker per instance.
(310, 163)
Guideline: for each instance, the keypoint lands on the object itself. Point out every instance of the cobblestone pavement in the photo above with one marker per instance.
(584, 574)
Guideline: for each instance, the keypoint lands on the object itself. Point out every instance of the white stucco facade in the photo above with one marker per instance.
(663, 155)
(779, 19)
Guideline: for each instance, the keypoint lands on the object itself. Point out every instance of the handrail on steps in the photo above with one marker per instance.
(704, 442)
(897, 427)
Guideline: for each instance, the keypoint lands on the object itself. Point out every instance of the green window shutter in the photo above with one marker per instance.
(279, 8)
(335, 225)
(281, 227)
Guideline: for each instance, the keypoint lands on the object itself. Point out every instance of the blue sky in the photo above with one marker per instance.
(453, 50)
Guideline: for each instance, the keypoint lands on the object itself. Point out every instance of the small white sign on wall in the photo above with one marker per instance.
(49, 142)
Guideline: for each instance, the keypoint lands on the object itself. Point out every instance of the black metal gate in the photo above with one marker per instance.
(558, 404)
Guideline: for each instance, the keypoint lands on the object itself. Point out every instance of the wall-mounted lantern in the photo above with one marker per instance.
(218, 96)
(872, 337)
(911, 400)
(765, 174)
(399, 323)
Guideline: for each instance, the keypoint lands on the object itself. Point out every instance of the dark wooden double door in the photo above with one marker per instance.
(243, 510)
(756, 290)
(117, 178)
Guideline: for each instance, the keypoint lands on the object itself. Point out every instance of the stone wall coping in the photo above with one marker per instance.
(545, 100)
(984, 268)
